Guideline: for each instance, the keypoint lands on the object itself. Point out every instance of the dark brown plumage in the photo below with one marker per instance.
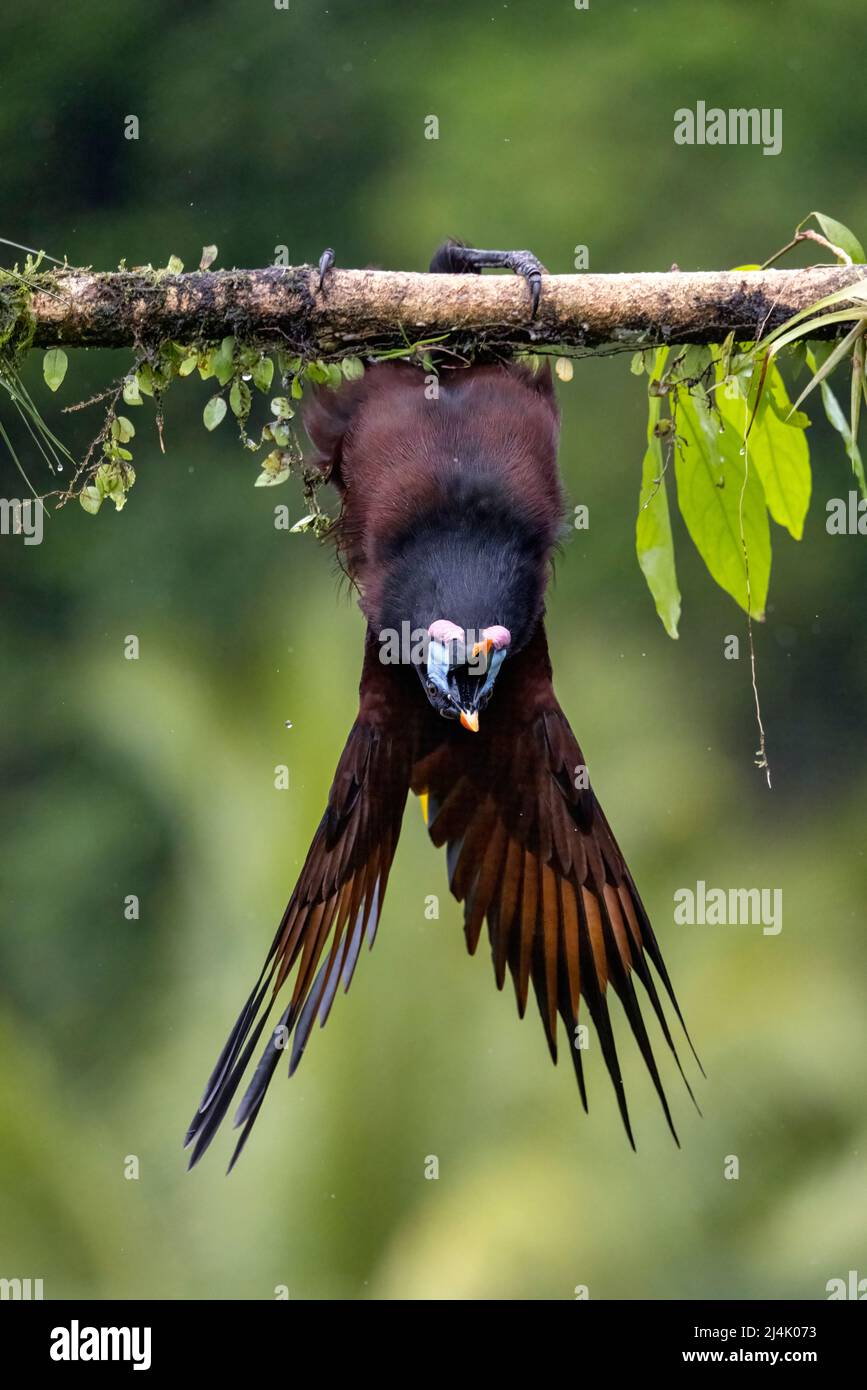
(451, 508)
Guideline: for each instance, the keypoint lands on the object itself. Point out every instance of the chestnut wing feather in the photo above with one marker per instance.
(530, 853)
(334, 908)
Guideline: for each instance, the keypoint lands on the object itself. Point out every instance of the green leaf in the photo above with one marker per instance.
(172, 354)
(711, 479)
(317, 372)
(131, 393)
(282, 408)
(54, 365)
(214, 412)
(778, 451)
(352, 368)
(837, 418)
(222, 362)
(653, 540)
(268, 479)
(113, 481)
(122, 429)
(296, 390)
(781, 405)
(175, 265)
(263, 374)
(90, 499)
(840, 236)
(691, 363)
(858, 386)
(209, 255)
(636, 363)
(145, 379)
(839, 351)
(276, 469)
(189, 363)
(240, 399)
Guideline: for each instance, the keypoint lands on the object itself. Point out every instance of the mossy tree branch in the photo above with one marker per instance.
(382, 310)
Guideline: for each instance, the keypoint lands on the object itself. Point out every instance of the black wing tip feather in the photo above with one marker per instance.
(207, 1121)
(339, 895)
(579, 1076)
(296, 1022)
(625, 991)
(651, 945)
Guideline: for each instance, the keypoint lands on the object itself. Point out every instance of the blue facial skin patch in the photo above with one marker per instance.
(438, 665)
(494, 665)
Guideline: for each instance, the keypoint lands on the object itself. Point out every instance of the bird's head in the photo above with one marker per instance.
(468, 584)
(459, 669)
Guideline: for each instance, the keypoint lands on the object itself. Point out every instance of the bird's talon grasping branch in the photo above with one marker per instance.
(453, 257)
(524, 263)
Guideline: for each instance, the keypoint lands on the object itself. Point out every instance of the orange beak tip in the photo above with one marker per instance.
(470, 720)
(482, 647)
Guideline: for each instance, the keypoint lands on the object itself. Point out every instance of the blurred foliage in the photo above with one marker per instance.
(262, 128)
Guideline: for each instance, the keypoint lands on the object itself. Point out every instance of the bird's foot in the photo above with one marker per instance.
(456, 258)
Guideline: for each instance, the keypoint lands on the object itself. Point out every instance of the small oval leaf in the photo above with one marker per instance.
(54, 365)
(214, 412)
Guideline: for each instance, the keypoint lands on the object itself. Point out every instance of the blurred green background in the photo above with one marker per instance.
(262, 127)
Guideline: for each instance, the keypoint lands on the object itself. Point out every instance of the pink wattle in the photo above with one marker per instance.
(444, 631)
(500, 636)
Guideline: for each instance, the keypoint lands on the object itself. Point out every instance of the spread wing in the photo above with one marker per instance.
(334, 908)
(529, 851)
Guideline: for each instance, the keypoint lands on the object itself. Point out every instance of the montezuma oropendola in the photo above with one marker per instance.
(451, 506)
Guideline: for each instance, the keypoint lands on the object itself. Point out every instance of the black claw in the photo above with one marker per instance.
(524, 263)
(326, 265)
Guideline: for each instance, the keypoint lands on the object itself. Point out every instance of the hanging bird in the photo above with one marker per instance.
(451, 507)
